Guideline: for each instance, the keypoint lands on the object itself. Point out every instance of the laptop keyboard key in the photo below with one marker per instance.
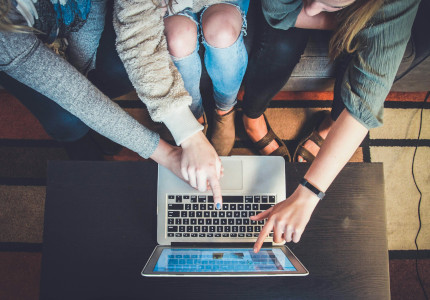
(232, 199)
(173, 214)
(265, 206)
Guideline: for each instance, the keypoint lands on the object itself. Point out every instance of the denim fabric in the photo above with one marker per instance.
(225, 66)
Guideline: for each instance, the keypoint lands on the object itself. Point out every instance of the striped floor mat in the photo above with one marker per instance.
(25, 148)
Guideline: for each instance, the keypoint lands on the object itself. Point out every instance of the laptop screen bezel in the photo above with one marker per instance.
(152, 261)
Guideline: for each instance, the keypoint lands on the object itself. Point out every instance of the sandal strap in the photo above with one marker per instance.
(303, 152)
(316, 138)
(265, 140)
(282, 151)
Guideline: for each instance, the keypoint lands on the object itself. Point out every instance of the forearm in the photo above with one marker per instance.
(52, 76)
(321, 21)
(342, 141)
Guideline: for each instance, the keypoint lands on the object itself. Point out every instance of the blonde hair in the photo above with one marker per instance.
(352, 19)
(5, 22)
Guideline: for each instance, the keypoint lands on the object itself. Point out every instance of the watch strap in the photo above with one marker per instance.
(312, 188)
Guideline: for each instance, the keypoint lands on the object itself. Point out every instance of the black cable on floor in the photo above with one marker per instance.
(419, 202)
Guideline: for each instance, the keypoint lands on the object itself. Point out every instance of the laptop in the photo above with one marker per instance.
(197, 240)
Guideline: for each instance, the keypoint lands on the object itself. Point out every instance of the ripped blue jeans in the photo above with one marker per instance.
(225, 66)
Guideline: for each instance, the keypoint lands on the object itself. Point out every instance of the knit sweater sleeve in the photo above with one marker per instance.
(142, 47)
(25, 58)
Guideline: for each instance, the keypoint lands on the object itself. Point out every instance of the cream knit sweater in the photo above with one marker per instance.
(142, 47)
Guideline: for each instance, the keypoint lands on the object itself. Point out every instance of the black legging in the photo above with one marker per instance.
(274, 55)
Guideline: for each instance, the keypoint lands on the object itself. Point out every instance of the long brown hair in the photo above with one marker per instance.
(352, 19)
(6, 24)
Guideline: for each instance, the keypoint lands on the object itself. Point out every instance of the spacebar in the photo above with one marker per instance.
(228, 199)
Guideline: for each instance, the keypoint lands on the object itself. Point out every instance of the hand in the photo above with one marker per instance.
(170, 157)
(288, 218)
(201, 166)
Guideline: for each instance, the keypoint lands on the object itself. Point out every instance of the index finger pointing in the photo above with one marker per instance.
(216, 190)
(262, 236)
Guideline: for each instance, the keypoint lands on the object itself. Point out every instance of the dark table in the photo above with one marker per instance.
(100, 229)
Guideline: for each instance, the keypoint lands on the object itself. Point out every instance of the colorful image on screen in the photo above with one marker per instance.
(223, 260)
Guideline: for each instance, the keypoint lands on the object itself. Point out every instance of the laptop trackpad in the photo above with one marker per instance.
(233, 175)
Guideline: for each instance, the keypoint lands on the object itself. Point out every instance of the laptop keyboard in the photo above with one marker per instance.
(196, 216)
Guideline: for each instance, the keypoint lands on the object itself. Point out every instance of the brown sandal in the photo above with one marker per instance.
(312, 135)
(268, 138)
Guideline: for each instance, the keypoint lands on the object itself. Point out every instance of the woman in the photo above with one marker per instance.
(25, 26)
(369, 40)
(221, 26)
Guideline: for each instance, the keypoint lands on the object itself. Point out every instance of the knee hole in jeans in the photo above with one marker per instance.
(222, 24)
(181, 35)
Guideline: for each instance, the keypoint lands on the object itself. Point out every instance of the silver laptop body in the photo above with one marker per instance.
(243, 176)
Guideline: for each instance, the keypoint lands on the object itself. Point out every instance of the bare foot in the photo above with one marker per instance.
(323, 131)
(256, 130)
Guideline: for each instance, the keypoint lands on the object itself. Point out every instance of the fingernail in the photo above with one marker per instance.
(300, 159)
(218, 206)
(255, 250)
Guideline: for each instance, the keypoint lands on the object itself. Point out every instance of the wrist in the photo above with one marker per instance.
(191, 140)
(306, 196)
(305, 183)
(162, 153)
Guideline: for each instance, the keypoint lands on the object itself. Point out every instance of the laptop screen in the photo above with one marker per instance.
(223, 260)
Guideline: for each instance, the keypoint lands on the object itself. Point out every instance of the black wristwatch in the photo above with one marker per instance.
(312, 188)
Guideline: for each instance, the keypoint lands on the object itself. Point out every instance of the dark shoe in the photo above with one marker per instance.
(268, 138)
(223, 132)
(313, 135)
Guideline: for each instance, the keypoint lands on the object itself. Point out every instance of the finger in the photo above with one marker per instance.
(192, 177)
(289, 231)
(263, 215)
(219, 168)
(297, 235)
(278, 232)
(262, 236)
(201, 181)
(216, 191)
(184, 172)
